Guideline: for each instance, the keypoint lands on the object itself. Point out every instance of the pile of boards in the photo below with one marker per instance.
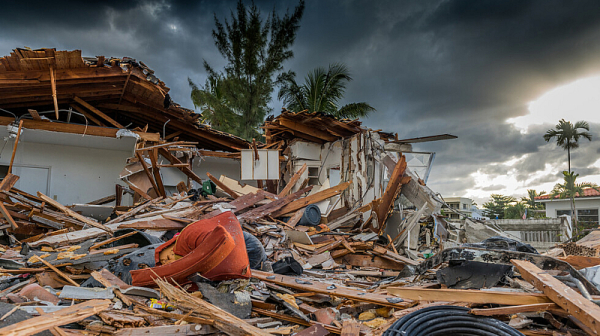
(353, 281)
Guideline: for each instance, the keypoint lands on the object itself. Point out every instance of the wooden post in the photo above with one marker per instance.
(53, 87)
(12, 158)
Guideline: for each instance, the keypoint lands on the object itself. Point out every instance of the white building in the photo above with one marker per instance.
(587, 206)
(460, 204)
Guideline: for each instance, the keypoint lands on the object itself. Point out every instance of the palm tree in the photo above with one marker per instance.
(567, 135)
(321, 92)
(571, 189)
(530, 202)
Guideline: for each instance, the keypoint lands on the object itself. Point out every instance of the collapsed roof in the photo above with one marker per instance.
(111, 93)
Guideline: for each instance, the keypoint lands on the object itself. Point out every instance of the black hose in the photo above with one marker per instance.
(448, 320)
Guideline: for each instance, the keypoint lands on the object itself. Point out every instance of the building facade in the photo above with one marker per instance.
(587, 205)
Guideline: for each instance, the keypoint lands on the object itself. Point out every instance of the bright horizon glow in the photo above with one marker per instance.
(579, 100)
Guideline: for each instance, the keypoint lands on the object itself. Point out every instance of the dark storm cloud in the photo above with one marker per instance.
(429, 67)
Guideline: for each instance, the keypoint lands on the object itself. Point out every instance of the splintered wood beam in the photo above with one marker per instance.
(147, 171)
(135, 210)
(98, 112)
(76, 129)
(8, 182)
(12, 158)
(72, 213)
(174, 160)
(156, 172)
(339, 291)
(292, 181)
(61, 274)
(222, 185)
(311, 199)
(312, 131)
(466, 295)
(510, 310)
(384, 206)
(125, 85)
(53, 87)
(64, 316)
(7, 216)
(172, 135)
(88, 115)
(567, 298)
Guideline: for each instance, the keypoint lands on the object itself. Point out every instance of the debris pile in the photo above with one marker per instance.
(334, 234)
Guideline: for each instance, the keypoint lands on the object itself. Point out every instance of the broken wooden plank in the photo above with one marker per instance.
(167, 330)
(384, 206)
(135, 210)
(77, 129)
(568, 299)
(12, 158)
(112, 240)
(148, 173)
(293, 181)
(98, 112)
(156, 172)
(272, 207)
(155, 224)
(363, 260)
(223, 320)
(100, 278)
(7, 216)
(72, 213)
(311, 199)
(296, 320)
(323, 288)
(466, 295)
(53, 90)
(225, 188)
(8, 182)
(57, 271)
(88, 115)
(383, 252)
(64, 316)
(536, 307)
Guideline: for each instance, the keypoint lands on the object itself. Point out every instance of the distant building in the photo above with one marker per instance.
(587, 206)
(462, 205)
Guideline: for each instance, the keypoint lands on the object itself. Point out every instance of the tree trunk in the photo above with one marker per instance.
(574, 217)
(569, 156)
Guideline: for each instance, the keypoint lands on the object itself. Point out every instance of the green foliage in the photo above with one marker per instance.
(567, 135)
(497, 205)
(321, 92)
(571, 189)
(514, 210)
(235, 100)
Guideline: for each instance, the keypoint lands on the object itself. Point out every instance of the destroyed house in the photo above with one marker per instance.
(367, 167)
(82, 117)
(327, 228)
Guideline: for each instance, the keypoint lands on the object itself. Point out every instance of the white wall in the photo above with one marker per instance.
(75, 174)
(564, 204)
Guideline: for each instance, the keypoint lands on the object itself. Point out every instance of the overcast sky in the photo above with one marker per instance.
(428, 67)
